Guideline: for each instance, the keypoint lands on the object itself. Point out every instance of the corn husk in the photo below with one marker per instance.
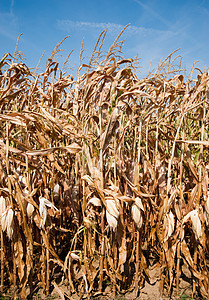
(75, 256)
(22, 180)
(87, 222)
(138, 203)
(30, 210)
(18, 170)
(169, 225)
(137, 215)
(207, 206)
(196, 223)
(206, 212)
(2, 205)
(95, 201)
(56, 192)
(43, 204)
(136, 211)
(3, 212)
(112, 214)
(10, 223)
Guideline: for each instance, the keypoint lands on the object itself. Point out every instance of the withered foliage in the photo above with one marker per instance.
(103, 178)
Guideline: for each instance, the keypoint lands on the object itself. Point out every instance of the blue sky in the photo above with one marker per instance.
(156, 28)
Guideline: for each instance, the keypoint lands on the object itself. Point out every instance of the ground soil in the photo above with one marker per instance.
(150, 291)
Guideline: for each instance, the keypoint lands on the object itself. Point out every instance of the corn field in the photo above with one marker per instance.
(103, 177)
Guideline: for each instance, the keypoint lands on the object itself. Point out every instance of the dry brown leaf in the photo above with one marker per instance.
(73, 149)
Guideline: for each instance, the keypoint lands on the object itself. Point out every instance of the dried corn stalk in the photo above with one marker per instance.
(109, 149)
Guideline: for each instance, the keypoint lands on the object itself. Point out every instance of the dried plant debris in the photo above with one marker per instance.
(103, 178)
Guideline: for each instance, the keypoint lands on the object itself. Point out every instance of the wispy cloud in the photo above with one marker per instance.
(11, 7)
(156, 15)
(113, 28)
(9, 24)
(64, 24)
(148, 43)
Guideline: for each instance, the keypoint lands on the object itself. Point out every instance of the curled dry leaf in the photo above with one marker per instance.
(207, 211)
(122, 253)
(88, 179)
(161, 171)
(72, 149)
(111, 126)
(207, 205)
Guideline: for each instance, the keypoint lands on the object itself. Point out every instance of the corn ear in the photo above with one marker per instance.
(56, 192)
(137, 215)
(30, 210)
(196, 223)
(10, 223)
(95, 201)
(43, 203)
(112, 214)
(169, 225)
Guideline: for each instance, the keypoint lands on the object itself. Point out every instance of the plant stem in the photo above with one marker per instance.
(2, 262)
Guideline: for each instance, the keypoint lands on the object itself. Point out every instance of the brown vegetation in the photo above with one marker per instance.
(103, 178)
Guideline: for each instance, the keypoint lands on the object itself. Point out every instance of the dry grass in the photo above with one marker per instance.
(103, 177)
